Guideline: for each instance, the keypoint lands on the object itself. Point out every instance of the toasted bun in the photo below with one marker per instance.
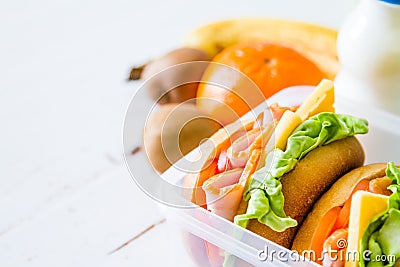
(312, 176)
(335, 196)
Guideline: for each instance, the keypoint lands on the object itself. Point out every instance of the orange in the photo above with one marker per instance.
(270, 67)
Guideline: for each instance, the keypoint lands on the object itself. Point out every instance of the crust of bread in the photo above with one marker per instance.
(312, 176)
(335, 196)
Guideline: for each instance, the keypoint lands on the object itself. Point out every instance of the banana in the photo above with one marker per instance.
(315, 42)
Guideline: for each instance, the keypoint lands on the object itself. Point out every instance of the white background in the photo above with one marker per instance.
(66, 198)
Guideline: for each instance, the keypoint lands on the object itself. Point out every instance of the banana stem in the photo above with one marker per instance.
(136, 72)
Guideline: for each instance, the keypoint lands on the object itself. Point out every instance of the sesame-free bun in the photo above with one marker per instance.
(335, 196)
(312, 176)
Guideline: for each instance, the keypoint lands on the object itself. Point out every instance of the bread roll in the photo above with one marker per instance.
(335, 196)
(312, 176)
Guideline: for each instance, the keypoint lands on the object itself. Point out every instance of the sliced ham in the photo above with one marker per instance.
(238, 152)
(224, 191)
(220, 190)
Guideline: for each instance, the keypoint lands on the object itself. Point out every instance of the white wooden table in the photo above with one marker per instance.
(66, 197)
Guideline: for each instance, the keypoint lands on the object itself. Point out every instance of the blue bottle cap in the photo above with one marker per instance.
(395, 2)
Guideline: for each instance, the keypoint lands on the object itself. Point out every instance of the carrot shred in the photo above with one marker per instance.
(205, 174)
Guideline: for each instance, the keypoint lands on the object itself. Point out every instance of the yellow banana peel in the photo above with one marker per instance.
(315, 42)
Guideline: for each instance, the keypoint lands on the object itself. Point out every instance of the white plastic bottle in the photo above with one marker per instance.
(369, 51)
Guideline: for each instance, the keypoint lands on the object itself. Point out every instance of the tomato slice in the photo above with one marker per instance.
(362, 185)
(344, 216)
(323, 230)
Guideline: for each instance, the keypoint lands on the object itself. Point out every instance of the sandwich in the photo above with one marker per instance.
(266, 175)
(357, 221)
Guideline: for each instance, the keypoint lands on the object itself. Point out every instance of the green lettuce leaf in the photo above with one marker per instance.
(393, 174)
(264, 189)
(381, 238)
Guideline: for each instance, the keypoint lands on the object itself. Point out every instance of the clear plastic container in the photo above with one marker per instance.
(195, 226)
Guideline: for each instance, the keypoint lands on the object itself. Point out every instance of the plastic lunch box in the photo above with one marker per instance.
(196, 225)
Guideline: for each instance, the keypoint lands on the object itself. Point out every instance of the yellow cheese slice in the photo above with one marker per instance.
(364, 206)
(321, 100)
(285, 127)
